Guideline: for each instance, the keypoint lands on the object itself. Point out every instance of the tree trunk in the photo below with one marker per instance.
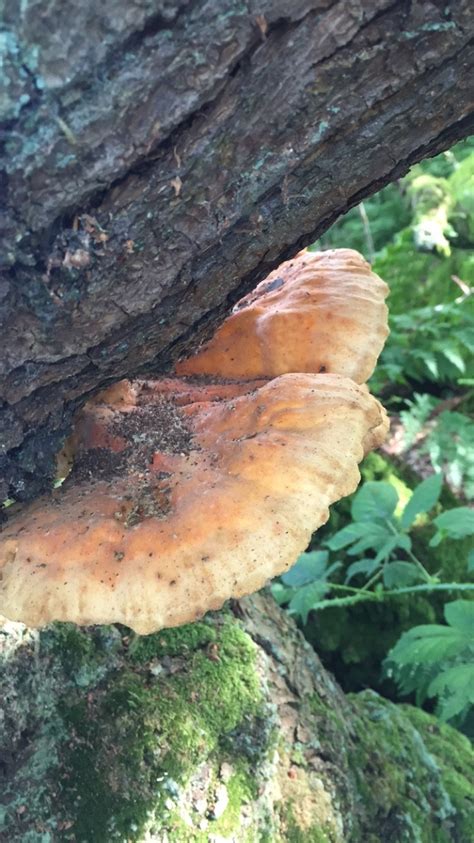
(160, 157)
(225, 730)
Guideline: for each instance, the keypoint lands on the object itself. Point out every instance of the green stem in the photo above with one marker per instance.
(337, 585)
(441, 586)
(371, 595)
(372, 579)
(424, 573)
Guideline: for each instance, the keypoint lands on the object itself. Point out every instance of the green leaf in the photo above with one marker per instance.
(455, 686)
(460, 614)
(470, 562)
(429, 643)
(404, 541)
(454, 524)
(374, 501)
(386, 549)
(367, 567)
(455, 358)
(431, 365)
(281, 594)
(437, 538)
(400, 574)
(308, 567)
(375, 537)
(400, 540)
(346, 536)
(423, 499)
(306, 599)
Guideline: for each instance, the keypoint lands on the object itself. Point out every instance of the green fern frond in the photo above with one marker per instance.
(438, 661)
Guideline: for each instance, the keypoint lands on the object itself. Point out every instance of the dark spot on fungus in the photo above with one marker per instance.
(273, 285)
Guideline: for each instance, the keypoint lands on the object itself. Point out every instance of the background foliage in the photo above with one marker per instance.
(385, 592)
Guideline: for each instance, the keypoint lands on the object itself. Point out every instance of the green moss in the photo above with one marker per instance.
(112, 761)
(109, 765)
(241, 791)
(322, 709)
(85, 654)
(412, 775)
(224, 681)
(135, 741)
(454, 754)
(293, 833)
(297, 755)
(170, 642)
(70, 643)
(404, 791)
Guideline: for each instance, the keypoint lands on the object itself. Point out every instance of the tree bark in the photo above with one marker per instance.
(160, 157)
(225, 730)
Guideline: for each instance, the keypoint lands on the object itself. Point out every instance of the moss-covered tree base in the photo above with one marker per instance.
(224, 730)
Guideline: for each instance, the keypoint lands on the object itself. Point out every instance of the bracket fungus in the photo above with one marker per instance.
(320, 312)
(191, 489)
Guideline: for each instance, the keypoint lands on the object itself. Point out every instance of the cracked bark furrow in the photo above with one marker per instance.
(300, 122)
(96, 128)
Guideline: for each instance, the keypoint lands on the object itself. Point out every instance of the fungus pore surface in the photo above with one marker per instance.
(186, 491)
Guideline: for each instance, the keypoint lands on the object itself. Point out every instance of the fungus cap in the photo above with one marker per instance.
(222, 507)
(320, 312)
(186, 492)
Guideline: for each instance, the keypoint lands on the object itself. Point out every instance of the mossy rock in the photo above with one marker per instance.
(454, 755)
(226, 730)
(414, 774)
(122, 723)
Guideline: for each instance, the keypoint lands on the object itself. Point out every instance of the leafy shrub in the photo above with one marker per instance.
(438, 661)
(447, 438)
(429, 344)
(381, 542)
(387, 212)
(418, 234)
(377, 559)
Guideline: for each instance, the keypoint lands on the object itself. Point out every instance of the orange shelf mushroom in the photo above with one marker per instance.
(320, 312)
(183, 492)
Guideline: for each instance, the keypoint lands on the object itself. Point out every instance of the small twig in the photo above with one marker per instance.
(369, 240)
(465, 288)
(450, 403)
(67, 131)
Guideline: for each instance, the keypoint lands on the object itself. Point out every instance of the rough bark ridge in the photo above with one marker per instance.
(225, 731)
(160, 157)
